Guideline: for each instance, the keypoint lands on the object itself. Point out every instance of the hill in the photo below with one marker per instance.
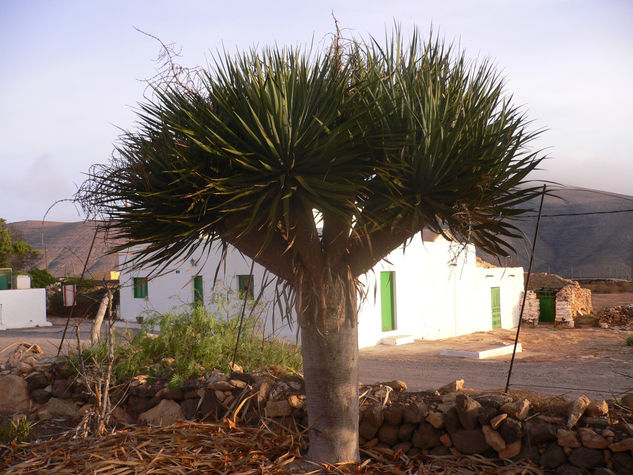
(578, 244)
(64, 247)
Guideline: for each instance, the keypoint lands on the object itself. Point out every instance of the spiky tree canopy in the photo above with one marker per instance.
(382, 140)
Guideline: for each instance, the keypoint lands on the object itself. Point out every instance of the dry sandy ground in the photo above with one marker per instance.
(589, 361)
(593, 361)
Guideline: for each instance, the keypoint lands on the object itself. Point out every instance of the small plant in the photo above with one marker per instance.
(179, 346)
(41, 278)
(17, 431)
(629, 340)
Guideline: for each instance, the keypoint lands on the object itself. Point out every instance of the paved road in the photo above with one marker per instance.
(597, 378)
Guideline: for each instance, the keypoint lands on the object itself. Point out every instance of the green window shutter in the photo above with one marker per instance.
(198, 296)
(140, 287)
(246, 286)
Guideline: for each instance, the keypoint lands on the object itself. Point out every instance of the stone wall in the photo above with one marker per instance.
(532, 309)
(551, 432)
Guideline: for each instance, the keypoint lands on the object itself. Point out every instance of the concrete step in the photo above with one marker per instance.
(479, 355)
(397, 340)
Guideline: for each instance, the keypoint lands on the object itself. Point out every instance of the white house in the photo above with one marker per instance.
(432, 290)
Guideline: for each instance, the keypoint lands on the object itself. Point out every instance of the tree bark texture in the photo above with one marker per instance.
(330, 366)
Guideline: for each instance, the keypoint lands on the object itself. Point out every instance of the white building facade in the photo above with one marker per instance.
(432, 290)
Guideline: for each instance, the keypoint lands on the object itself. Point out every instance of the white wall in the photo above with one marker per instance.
(174, 290)
(439, 291)
(23, 308)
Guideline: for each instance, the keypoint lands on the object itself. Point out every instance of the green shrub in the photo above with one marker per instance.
(629, 340)
(17, 431)
(190, 344)
(41, 278)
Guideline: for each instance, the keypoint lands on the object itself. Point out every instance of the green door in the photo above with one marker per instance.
(387, 296)
(547, 300)
(495, 298)
(4, 281)
(198, 296)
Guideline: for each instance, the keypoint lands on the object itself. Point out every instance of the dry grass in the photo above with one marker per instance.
(220, 448)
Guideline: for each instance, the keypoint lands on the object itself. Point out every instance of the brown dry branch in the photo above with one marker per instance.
(219, 448)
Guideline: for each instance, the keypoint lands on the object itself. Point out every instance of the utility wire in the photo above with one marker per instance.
(587, 213)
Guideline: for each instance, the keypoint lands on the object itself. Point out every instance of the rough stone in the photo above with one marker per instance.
(539, 432)
(493, 438)
(414, 411)
(60, 389)
(567, 438)
(446, 441)
(37, 380)
(453, 386)
(388, 434)
(121, 416)
(165, 413)
(173, 394)
(451, 421)
(189, 408)
(591, 439)
(436, 419)
(622, 462)
(402, 447)
(374, 415)
(222, 385)
(602, 471)
(576, 410)
(597, 408)
(393, 414)
(511, 450)
(496, 421)
(495, 400)
(40, 396)
(43, 414)
(137, 404)
(14, 394)
(622, 446)
(567, 469)
(24, 367)
(278, 408)
(518, 409)
(486, 414)
(426, 437)
(585, 458)
(405, 432)
(510, 430)
(467, 411)
(62, 408)
(553, 457)
(596, 422)
(627, 400)
(397, 385)
(367, 430)
(296, 402)
(469, 441)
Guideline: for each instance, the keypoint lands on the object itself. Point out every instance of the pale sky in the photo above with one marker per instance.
(71, 73)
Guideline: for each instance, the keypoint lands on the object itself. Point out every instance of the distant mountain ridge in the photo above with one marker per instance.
(595, 245)
(580, 245)
(64, 247)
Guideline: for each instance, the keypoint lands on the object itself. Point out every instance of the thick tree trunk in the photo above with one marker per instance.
(330, 366)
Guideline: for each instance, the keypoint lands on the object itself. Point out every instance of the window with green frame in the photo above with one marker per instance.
(198, 295)
(246, 286)
(140, 287)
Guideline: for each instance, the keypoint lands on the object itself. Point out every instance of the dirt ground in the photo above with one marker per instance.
(601, 301)
(569, 362)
